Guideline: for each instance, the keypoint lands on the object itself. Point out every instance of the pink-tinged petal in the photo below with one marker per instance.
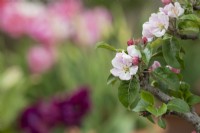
(117, 62)
(125, 76)
(115, 72)
(173, 11)
(133, 70)
(127, 60)
(133, 52)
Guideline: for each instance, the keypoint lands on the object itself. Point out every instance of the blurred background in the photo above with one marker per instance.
(52, 77)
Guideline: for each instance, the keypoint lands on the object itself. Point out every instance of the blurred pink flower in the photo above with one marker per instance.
(11, 20)
(41, 31)
(165, 2)
(40, 59)
(91, 26)
(66, 8)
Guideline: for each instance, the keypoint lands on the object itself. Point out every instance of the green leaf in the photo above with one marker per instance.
(171, 49)
(150, 119)
(185, 89)
(141, 106)
(147, 97)
(157, 111)
(188, 28)
(193, 99)
(128, 92)
(105, 46)
(191, 17)
(161, 123)
(111, 79)
(168, 79)
(152, 110)
(178, 105)
(156, 44)
(162, 110)
(146, 55)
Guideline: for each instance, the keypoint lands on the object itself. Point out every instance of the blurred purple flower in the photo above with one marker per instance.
(31, 121)
(43, 116)
(75, 108)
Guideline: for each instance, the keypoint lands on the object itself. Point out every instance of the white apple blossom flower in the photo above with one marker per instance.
(157, 26)
(123, 66)
(173, 11)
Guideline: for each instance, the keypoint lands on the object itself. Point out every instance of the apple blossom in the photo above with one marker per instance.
(123, 66)
(157, 26)
(173, 11)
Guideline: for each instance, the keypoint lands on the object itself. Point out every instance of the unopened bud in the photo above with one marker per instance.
(135, 60)
(144, 40)
(165, 2)
(174, 70)
(155, 65)
(130, 42)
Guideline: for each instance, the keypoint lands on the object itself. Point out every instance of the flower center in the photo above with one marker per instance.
(161, 26)
(126, 69)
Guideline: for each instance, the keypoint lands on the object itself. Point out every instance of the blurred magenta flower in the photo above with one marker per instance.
(43, 116)
(40, 59)
(75, 108)
(31, 121)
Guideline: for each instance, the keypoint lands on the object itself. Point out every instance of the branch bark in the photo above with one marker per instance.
(191, 116)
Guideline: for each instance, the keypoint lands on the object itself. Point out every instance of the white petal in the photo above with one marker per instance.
(132, 51)
(115, 72)
(133, 70)
(127, 60)
(125, 76)
(117, 62)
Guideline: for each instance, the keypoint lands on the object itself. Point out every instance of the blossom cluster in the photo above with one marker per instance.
(43, 116)
(159, 22)
(52, 24)
(126, 64)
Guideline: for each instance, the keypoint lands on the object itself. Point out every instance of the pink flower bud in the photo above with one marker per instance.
(40, 59)
(130, 42)
(155, 65)
(165, 2)
(144, 40)
(177, 71)
(194, 132)
(135, 60)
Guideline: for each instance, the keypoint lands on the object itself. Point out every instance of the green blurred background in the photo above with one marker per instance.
(78, 65)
